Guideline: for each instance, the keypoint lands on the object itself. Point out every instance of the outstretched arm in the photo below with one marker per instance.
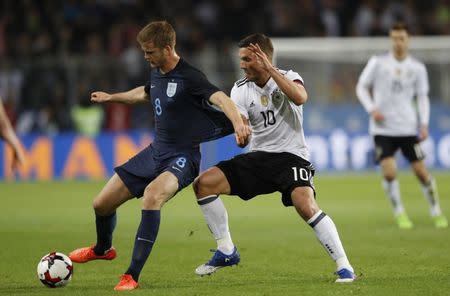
(133, 96)
(292, 89)
(242, 131)
(7, 133)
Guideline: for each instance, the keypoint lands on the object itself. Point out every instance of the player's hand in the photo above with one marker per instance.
(377, 116)
(100, 97)
(260, 56)
(18, 158)
(423, 133)
(242, 134)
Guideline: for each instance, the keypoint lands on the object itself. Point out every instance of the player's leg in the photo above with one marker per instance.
(325, 230)
(385, 148)
(178, 172)
(156, 194)
(430, 192)
(412, 151)
(207, 187)
(113, 194)
(391, 187)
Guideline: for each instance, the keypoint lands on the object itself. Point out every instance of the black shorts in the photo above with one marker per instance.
(386, 146)
(258, 172)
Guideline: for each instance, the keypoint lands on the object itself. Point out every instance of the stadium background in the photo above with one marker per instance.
(53, 54)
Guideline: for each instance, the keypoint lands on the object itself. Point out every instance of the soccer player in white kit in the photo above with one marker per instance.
(395, 79)
(270, 101)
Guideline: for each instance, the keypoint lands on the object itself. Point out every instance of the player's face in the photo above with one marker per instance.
(249, 64)
(154, 55)
(400, 41)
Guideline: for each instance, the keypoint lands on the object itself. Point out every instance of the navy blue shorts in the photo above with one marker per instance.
(148, 164)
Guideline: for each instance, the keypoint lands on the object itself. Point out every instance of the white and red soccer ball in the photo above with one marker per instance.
(55, 270)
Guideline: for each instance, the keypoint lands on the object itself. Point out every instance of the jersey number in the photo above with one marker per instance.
(301, 173)
(181, 163)
(158, 108)
(269, 118)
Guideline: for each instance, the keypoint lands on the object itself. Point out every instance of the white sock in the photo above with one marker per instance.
(392, 189)
(431, 195)
(216, 217)
(328, 236)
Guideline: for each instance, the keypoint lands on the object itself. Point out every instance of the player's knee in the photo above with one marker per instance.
(203, 186)
(195, 186)
(152, 199)
(304, 202)
(389, 176)
(100, 207)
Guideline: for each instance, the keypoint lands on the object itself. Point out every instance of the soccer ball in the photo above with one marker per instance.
(55, 270)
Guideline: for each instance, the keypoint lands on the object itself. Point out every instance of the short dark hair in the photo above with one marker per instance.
(400, 26)
(161, 33)
(262, 40)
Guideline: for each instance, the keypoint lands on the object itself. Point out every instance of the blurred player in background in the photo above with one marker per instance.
(7, 133)
(188, 110)
(270, 100)
(387, 88)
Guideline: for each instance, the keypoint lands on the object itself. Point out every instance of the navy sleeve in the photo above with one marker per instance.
(199, 86)
(148, 83)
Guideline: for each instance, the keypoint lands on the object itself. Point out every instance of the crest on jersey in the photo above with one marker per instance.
(171, 89)
(277, 95)
(264, 100)
(398, 71)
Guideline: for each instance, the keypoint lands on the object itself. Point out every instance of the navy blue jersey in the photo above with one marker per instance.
(184, 117)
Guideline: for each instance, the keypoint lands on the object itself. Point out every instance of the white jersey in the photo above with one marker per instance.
(276, 122)
(394, 86)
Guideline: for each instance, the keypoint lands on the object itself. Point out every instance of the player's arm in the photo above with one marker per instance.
(7, 133)
(242, 130)
(133, 96)
(294, 90)
(365, 81)
(247, 140)
(423, 103)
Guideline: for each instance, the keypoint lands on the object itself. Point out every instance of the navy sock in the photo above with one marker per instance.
(105, 226)
(145, 238)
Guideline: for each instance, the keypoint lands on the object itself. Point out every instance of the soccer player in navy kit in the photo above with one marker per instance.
(187, 112)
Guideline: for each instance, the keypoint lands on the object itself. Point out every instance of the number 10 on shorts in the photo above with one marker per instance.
(301, 173)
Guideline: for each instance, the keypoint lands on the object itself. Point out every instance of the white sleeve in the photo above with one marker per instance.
(423, 101)
(236, 96)
(365, 81)
(291, 75)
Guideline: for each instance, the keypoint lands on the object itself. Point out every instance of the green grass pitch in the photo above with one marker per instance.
(279, 252)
